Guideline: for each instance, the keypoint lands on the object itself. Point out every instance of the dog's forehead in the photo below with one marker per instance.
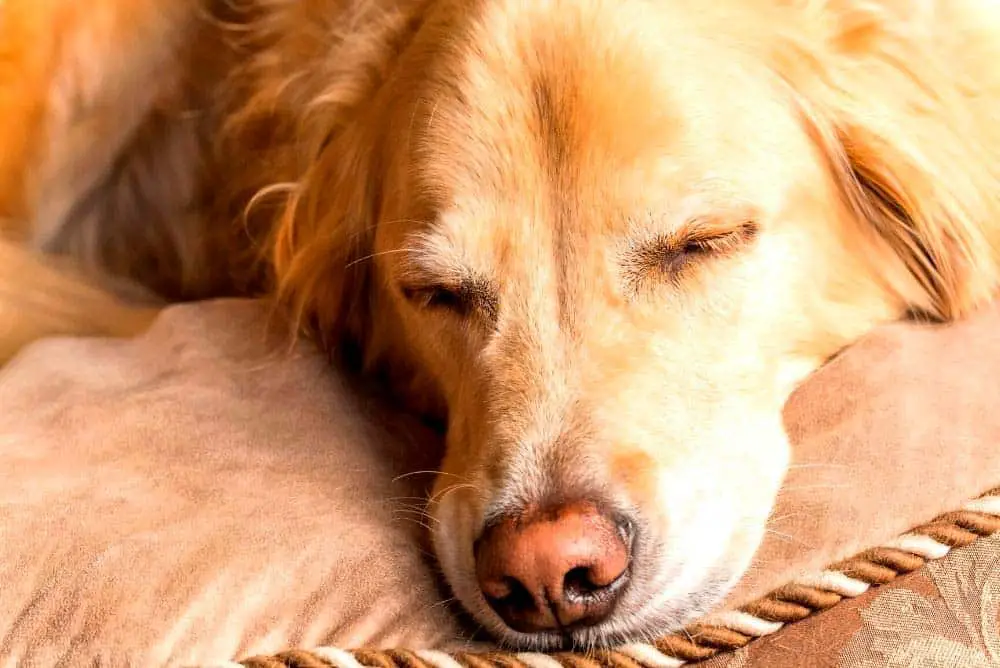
(585, 112)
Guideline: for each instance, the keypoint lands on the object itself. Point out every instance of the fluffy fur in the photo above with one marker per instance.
(601, 240)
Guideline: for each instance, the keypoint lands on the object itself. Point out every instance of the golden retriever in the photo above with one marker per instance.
(601, 240)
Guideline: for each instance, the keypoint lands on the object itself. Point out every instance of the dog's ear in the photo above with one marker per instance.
(318, 115)
(902, 99)
(324, 241)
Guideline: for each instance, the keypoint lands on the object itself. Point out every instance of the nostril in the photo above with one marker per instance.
(579, 583)
(509, 593)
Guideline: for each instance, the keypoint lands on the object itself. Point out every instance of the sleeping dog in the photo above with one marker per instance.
(600, 241)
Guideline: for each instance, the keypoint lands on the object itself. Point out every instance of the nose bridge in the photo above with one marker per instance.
(531, 384)
(540, 356)
(540, 425)
(533, 339)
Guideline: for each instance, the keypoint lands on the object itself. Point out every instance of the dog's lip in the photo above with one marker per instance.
(569, 639)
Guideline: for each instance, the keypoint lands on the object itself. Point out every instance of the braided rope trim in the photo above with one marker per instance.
(715, 634)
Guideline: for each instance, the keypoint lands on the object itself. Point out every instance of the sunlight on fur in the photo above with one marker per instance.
(601, 241)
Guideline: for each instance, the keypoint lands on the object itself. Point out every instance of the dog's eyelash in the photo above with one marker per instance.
(436, 296)
(672, 255)
(696, 244)
(463, 299)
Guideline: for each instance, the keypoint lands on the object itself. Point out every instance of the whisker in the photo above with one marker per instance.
(428, 472)
(443, 603)
(439, 497)
(789, 537)
(372, 256)
(414, 507)
(395, 221)
(420, 524)
(411, 512)
(416, 515)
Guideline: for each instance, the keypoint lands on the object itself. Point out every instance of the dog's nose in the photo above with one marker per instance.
(548, 571)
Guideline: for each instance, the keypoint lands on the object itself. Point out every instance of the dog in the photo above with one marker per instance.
(599, 241)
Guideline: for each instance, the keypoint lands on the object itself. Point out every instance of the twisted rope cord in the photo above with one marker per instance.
(721, 632)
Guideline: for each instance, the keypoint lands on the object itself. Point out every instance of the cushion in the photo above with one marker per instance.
(903, 425)
(201, 493)
(198, 494)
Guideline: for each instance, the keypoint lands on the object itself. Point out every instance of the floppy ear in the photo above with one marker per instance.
(902, 97)
(323, 241)
(311, 105)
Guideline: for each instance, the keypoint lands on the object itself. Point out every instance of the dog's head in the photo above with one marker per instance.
(608, 239)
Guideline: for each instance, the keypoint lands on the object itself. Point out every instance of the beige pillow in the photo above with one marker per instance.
(900, 427)
(195, 496)
(190, 497)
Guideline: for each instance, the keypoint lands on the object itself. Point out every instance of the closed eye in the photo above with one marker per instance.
(436, 296)
(464, 298)
(671, 255)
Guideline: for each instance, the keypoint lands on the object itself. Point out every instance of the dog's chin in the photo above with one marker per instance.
(640, 617)
(622, 628)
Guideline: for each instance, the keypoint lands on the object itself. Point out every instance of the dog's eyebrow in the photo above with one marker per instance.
(430, 258)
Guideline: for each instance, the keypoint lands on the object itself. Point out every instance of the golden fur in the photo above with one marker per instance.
(602, 239)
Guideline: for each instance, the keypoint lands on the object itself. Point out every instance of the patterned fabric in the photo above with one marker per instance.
(936, 606)
(943, 616)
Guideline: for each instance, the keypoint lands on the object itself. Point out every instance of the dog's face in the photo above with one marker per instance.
(618, 255)
(611, 241)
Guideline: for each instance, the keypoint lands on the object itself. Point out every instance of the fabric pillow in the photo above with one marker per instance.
(198, 495)
(901, 427)
(201, 494)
